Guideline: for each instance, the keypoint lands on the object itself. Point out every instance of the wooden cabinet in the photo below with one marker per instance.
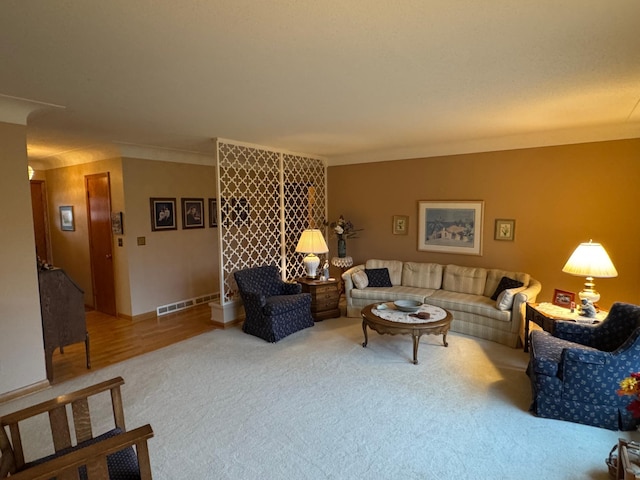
(63, 317)
(324, 297)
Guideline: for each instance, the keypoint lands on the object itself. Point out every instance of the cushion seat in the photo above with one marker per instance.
(469, 303)
(390, 294)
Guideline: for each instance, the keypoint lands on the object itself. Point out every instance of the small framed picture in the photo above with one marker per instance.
(163, 214)
(192, 213)
(563, 298)
(213, 212)
(67, 222)
(400, 224)
(116, 223)
(505, 229)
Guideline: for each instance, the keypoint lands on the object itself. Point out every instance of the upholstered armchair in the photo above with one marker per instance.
(274, 309)
(575, 372)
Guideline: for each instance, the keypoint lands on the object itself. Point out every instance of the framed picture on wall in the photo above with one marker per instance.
(505, 229)
(163, 214)
(67, 222)
(450, 227)
(400, 224)
(213, 212)
(192, 213)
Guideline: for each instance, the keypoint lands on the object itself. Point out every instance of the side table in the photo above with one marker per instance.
(547, 314)
(324, 297)
(343, 263)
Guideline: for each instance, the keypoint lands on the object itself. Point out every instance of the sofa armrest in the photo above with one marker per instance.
(529, 294)
(348, 283)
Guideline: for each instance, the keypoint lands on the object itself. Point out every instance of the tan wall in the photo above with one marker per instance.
(559, 197)
(66, 186)
(21, 348)
(177, 264)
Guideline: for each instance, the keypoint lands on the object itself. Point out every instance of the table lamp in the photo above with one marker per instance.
(311, 242)
(590, 260)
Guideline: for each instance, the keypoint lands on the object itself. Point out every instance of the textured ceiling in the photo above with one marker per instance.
(350, 80)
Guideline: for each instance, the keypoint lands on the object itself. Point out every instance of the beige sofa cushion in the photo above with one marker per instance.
(505, 298)
(422, 275)
(495, 275)
(464, 279)
(394, 267)
(360, 279)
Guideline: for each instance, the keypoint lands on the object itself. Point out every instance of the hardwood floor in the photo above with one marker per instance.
(113, 340)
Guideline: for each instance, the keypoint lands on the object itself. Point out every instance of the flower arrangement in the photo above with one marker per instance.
(630, 386)
(344, 228)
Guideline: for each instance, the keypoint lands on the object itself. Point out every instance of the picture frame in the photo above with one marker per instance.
(450, 226)
(116, 223)
(213, 212)
(400, 224)
(505, 230)
(67, 220)
(192, 213)
(563, 298)
(163, 214)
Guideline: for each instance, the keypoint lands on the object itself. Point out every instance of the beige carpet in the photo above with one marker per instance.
(316, 405)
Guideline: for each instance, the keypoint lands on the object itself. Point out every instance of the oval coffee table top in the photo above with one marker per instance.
(388, 311)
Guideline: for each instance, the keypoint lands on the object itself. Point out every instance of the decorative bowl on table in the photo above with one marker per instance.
(407, 305)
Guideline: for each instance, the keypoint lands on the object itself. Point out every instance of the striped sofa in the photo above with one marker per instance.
(465, 291)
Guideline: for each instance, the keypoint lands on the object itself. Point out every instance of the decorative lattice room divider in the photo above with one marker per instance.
(266, 198)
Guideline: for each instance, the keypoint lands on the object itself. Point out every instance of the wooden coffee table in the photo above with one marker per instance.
(403, 324)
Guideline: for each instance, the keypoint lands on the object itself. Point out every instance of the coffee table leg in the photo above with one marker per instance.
(444, 339)
(366, 337)
(416, 342)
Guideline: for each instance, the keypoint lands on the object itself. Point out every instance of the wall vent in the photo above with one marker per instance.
(184, 304)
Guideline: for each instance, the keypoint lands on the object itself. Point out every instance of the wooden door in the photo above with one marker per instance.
(98, 189)
(40, 220)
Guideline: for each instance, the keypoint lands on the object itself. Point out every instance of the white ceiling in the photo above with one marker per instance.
(349, 80)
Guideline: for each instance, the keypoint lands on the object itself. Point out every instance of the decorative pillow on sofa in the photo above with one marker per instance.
(506, 282)
(360, 279)
(378, 277)
(505, 299)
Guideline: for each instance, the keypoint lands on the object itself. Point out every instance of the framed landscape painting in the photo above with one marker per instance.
(450, 226)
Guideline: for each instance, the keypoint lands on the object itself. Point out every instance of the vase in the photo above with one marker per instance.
(342, 247)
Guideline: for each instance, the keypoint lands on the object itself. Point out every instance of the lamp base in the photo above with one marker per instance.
(589, 292)
(311, 263)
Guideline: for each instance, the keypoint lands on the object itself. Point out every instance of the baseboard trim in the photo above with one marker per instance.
(223, 325)
(24, 391)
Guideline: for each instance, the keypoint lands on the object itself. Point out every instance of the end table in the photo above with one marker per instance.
(324, 297)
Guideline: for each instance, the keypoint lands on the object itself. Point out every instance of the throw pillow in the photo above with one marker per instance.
(505, 299)
(505, 282)
(378, 277)
(360, 279)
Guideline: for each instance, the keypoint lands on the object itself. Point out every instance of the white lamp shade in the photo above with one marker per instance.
(590, 260)
(312, 241)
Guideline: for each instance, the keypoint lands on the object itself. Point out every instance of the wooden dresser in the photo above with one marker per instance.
(325, 297)
(63, 317)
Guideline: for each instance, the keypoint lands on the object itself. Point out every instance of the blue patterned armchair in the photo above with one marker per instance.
(575, 372)
(273, 308)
